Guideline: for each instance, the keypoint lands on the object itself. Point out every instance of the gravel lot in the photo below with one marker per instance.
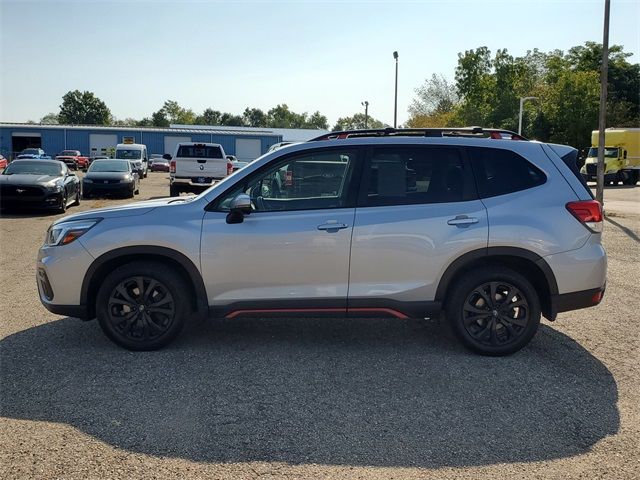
(319, 398)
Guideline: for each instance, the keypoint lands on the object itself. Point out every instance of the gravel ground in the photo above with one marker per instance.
(318, 398)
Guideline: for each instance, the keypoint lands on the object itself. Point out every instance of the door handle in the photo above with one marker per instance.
(462, 221)
(332, 227)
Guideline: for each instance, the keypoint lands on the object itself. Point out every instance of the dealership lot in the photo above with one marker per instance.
(318, 398)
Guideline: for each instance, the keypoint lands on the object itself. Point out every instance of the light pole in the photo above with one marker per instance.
(522, 100)
(395, 103)
(602, 118)
(366, 113)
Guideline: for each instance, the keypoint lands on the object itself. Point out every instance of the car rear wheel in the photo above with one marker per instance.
(76, 202)
(494, 311)
(63, 203)
(142, 305)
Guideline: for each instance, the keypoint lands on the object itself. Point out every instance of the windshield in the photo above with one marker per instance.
(129, 154)
(69, 153)
(33, 168)
(109, 166)
(608, 152)
(30, 151)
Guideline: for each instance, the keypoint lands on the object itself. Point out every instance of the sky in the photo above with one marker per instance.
(312, 55)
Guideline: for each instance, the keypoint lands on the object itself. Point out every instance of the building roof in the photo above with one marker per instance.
(187, 129)
(288, 134)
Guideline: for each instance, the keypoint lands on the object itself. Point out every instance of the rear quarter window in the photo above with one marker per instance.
(199, 151)
(499, 172)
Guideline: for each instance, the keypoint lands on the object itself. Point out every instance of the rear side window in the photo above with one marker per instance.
(499, 172)
(199, 151)
(417, 175)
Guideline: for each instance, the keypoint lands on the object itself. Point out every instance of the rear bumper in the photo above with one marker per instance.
(566, 302)
(609, 177)
(193, 183)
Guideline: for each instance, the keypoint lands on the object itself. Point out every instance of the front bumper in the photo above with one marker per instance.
(60, 272)
(107, 188)
(46, 201)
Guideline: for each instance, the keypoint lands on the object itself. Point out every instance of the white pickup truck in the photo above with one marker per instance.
(195, 166)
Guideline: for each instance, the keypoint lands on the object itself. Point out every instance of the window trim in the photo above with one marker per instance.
(214, 205)
(470, 190)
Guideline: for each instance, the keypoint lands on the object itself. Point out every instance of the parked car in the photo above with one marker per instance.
(99, 157)
(196, 166)
(138, 167)
(3, 162)
(135, 152)
(37, 183)
(395, 224)
(73, 159)
(237, 164)
(153, 157)
(33, 153)
(110, 177)
(160, 165)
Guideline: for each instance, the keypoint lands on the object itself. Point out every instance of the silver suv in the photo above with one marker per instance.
(492, 232)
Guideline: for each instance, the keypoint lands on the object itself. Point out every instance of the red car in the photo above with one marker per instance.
(160, 165)
(3, 162)
(73, 159)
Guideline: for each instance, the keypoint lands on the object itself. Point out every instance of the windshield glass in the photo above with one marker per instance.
(30, 151)
(109, 166)
(69, 153)
(128, 154)
(608, 152)
(33, 168)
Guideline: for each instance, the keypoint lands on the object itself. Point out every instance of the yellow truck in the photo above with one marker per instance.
(621, 156)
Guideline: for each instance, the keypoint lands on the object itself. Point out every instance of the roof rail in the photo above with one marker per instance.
(472, 132)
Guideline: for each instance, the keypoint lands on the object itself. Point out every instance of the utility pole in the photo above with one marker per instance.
(366, 113)
(602, 123)
(395, 103)
(522, 100)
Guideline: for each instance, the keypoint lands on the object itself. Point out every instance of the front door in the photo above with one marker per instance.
(291, 254)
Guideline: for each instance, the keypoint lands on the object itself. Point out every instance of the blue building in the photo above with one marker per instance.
(245, 144)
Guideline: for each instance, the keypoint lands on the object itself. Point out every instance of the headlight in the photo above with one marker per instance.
(87, 180)
(66, 232)
(54, 188)
(126, 179)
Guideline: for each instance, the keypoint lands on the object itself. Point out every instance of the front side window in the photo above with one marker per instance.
(128, 154)
(304, 182)
(416, 175)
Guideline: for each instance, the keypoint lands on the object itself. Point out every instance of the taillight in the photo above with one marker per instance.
(172, 166)
(229, 168)
(588, 212)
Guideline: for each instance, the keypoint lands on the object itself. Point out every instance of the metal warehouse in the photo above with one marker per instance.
(93, 140)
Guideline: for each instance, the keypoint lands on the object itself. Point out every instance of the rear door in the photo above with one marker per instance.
(200, 160)
(417, 212)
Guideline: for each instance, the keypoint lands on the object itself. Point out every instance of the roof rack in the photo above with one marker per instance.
(468, 132)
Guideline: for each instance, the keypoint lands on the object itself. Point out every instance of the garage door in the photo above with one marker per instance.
(248, 149)
(171, 142)
(102, 144)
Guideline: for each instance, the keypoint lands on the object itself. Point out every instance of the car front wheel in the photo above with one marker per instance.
(493, 311)
(142, 305)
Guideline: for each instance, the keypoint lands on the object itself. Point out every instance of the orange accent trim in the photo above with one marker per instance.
(236, 313)
(390, 311)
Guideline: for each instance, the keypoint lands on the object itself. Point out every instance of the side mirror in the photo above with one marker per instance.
(240, 206)
(166, 156)
(71, 174)
(624, 154)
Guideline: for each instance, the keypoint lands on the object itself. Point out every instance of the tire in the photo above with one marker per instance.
(125, 314)
(173, 191)
(77, 200)
(132, 192)
(496, 329)
(62, 208)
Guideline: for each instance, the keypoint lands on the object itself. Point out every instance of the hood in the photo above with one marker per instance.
(128, 210)
(28, 179)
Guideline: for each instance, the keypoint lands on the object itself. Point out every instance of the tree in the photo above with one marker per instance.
(50, 119)
(254, 117)
(209, 117)
(435, 96)
(356, 122)
(317, 120)
(231, 120)
(281, 117)
(83, 108)
(159, 119)
(177, 114)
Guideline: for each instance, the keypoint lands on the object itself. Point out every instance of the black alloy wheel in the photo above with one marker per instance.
(495, 313)
(142, 305)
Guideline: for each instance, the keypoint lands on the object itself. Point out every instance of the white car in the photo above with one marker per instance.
(196, 166)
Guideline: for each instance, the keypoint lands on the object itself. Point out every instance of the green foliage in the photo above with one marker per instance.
(488, 89)
(50, 119)
(356, 122)
(83, 108)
